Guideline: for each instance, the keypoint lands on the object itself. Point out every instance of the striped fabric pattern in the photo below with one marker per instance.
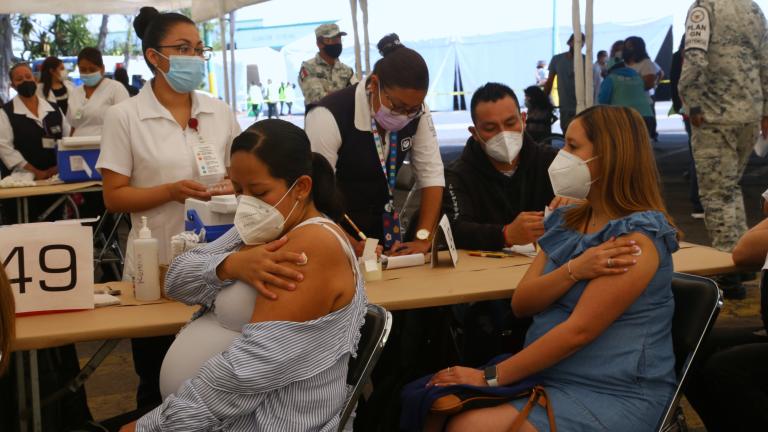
(276, 376)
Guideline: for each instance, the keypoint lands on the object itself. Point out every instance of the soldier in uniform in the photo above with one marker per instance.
(324, 73)
(723, 86)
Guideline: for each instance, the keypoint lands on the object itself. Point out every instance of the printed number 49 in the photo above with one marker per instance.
(23, 280)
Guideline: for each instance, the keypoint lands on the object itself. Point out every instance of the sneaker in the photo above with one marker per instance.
(697, 215)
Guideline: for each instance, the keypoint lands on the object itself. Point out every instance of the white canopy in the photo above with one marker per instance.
(202, 10)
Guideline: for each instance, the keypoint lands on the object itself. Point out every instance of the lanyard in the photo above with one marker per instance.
(388, 165)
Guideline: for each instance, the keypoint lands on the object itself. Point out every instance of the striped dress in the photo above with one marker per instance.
(276, 376)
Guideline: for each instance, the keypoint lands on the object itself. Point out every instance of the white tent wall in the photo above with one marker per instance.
(510, 58)
(269, 61)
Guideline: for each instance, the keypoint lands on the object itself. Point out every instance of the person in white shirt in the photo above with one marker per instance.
(366, 130)
(90, 101)
(54, 85)
(148, 157)
(29, 129)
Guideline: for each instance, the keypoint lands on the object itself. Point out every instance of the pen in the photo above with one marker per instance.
(359, 232)
(487, 254)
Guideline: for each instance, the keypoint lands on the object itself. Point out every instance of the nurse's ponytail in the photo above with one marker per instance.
(400, 66)
(285, 149)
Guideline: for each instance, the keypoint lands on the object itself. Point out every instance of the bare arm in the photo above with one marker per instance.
(604, 300)
(649, 81)
(752, 247)
(120, 196)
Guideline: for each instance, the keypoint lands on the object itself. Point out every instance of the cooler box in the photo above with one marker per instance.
(217, 216)
(76, 158)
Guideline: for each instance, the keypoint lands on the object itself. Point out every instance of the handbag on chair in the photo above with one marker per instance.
(419, 400)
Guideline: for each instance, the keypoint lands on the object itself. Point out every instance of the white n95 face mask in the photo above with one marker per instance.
(569, 175)
(258, 222)
(504, 146)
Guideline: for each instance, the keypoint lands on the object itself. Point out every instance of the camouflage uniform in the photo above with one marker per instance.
(317, 78)
(724, 77)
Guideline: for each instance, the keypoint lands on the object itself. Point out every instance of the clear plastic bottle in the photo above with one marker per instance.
(146, 281)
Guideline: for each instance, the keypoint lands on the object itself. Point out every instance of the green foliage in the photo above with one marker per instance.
(67, 35)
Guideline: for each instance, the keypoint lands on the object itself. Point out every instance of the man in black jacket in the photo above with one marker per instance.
(497, 190)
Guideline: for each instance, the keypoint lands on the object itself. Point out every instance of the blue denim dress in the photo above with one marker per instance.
(623, 379)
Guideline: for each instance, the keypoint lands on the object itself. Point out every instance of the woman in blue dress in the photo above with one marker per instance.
(599, 293)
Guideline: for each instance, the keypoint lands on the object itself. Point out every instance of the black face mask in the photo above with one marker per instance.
(26, 89)
(333, 51)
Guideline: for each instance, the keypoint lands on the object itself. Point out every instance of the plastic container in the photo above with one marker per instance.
(216, 216)
(76, 158)
(146, 281)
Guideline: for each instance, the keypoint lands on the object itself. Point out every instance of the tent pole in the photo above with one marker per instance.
(366, 40)
(232, 57)
(588, 71)
(578, 60)
(555, 29)
(223, 33)
(353, 9)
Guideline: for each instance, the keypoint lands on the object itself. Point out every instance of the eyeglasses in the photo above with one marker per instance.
(188, 50)
(410, 113)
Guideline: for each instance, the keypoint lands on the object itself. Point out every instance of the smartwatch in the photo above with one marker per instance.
(490, 376)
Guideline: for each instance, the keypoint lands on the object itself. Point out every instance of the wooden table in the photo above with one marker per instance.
(474, 279)
(22, 194)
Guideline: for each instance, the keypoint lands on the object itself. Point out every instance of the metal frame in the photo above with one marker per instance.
(666, 423)
(368, 366)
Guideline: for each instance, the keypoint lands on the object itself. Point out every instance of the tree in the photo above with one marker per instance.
(103, 32)
(6, 53)
(79, 36)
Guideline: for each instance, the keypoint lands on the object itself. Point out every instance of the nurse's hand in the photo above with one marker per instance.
(408, 248)
(260, 266)
(183, 189)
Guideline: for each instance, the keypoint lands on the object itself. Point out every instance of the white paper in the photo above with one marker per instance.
(81, 142)
(527, 250)
(761, 146)
(765, 195)
(369, 251)
(101, 300)
(411, 260)
(547, 211)
(78, 163)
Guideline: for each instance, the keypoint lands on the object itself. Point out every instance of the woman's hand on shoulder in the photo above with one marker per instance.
(605, 259)
(264, 267)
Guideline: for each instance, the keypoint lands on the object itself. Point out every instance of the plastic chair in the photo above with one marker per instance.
(697, 303)
(373, 337)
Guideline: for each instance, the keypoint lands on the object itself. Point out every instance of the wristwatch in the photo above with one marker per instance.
(423, 234)
(490, 376)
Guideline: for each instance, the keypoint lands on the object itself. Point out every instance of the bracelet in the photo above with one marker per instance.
(570, 274)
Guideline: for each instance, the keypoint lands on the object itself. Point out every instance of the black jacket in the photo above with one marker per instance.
(479, 200)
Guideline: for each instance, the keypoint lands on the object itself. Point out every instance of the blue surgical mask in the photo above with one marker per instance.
(185, 74)
(91, 79)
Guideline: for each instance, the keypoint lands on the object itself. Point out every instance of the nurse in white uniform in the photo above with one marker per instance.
(89, 102)
(148, 151)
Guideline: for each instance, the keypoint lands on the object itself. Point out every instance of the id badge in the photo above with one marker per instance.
(79, 114)
(49, 143)
(208, 162)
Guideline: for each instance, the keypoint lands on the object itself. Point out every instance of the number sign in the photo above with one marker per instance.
(49, 266)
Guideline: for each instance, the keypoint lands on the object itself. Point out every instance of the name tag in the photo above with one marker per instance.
(208, 162)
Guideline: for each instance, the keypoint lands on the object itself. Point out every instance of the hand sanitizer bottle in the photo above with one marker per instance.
(146, 281)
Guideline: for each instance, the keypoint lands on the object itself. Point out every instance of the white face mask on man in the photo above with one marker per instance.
(569, 175)
(258, 222)
(504, 146)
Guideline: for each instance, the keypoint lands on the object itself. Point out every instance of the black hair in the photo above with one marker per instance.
(538, 99)
(16, 66)
(46, 77)
(491, 92)
(400, 66)
(285, 149)
(615, 46)
(91, 54)
(639, 50)
(583, 38)
(602, 52)
(121, 76)
(151, 27)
